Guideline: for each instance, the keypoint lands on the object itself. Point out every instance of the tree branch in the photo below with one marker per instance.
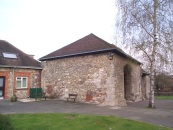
(143, 51)
(143, 26)
(146, 8)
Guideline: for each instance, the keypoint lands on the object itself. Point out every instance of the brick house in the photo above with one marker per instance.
(97, 71)
(18, 72)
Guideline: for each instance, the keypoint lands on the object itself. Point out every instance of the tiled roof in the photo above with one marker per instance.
(23, 60)
(86, 45)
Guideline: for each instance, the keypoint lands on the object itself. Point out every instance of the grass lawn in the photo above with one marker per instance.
(164, 97)
(56, 121)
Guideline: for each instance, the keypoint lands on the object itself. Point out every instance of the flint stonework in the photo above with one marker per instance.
(95, 78)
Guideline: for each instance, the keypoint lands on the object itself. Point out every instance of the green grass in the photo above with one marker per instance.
(77, 122)
(164, 97)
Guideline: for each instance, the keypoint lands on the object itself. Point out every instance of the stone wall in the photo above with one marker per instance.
(10, 74)
(95, 78)
(134, 80)
(145, 86)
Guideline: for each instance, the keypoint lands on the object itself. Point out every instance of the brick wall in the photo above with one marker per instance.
(10, 74)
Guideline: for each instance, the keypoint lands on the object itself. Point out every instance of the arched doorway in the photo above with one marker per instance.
(127, 82)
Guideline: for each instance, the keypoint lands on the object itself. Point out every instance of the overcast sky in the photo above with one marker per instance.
(39, 27)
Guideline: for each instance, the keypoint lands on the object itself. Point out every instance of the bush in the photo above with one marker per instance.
(13, 98)
(5, 123)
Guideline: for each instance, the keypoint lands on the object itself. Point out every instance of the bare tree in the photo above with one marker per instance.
(147, 26)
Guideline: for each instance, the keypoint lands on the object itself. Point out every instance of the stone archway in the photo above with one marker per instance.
(127, 82)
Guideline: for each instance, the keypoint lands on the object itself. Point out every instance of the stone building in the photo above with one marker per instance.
(18, 72)
(97, 71)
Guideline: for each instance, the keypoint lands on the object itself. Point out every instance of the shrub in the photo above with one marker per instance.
(5, 123)
(13, 98)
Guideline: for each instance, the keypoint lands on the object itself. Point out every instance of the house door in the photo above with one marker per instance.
(2, 86)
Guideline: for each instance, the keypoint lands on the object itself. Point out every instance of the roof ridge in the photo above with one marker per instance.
(66, 45)
(109, 44)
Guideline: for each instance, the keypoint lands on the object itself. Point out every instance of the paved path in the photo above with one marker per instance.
(162, 115)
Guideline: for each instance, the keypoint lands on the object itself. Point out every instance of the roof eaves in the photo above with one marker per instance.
(69, 55)
(21, 67)
(89, 52)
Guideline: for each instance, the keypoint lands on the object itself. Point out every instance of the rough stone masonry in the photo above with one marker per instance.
(95, 78)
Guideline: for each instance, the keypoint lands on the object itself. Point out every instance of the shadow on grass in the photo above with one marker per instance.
(5, 123)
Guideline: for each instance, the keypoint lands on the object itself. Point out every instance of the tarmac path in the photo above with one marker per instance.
(162, 115)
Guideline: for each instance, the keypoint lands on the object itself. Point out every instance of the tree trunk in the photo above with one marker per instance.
(152, 68)
(151, 98)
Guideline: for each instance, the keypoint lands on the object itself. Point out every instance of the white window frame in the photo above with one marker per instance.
(9, 55)
(21, 80)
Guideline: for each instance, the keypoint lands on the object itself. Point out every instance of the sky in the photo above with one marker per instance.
(39, 27)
